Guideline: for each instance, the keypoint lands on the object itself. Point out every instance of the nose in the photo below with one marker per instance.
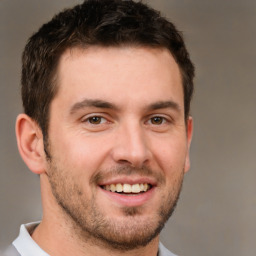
(131, 146)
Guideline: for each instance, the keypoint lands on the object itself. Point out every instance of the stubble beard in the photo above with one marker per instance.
(89, 223)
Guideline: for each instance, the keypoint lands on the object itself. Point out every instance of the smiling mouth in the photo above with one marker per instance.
(127, 188)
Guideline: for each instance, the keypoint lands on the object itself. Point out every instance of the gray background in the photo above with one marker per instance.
(217, 211)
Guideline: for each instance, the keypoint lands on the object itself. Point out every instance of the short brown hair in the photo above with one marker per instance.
(95, 22)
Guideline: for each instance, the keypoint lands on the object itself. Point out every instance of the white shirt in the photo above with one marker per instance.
(24, 245)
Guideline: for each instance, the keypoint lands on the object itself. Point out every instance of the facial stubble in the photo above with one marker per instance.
(89, 223)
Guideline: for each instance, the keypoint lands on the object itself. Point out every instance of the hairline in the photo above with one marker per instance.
(54, 79)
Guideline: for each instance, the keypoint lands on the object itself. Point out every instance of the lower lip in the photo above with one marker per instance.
(130, 200)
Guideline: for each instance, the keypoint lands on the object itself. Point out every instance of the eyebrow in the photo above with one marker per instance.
(164, 104)
(91, 103)
(107, 105)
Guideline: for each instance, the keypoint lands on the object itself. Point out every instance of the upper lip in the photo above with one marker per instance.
(129, 180)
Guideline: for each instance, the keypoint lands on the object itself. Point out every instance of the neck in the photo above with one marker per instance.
(58, 235)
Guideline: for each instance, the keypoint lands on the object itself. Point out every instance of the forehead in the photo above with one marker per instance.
(117, 73)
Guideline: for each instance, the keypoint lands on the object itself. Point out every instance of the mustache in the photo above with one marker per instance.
(127, 170)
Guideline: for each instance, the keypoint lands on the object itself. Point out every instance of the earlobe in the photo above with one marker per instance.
(189, 139)
(30, 143)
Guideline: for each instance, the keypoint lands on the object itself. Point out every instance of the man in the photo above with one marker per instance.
(106, 89)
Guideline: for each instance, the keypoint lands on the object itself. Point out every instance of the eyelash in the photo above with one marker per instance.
(162, 119)
(88, 120)
(98, 122)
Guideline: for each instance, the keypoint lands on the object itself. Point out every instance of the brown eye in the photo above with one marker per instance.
(157, 120)
(95, 120)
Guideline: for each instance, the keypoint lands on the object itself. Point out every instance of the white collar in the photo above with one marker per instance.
(24, 243)
(26, 246)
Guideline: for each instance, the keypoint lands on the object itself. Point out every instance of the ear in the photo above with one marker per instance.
(189, 138)
(30, 143)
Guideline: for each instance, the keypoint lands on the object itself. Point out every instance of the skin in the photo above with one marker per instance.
(118, 116)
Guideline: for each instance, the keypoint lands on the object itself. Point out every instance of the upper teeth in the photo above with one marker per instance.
(127, 188)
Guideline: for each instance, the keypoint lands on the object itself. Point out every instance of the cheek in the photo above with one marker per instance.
(170, 155)
(82, 154)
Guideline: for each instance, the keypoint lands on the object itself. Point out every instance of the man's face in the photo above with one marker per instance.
(118, 142)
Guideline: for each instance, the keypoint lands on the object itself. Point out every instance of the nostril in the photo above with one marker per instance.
(131, 165)
(124, 162)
